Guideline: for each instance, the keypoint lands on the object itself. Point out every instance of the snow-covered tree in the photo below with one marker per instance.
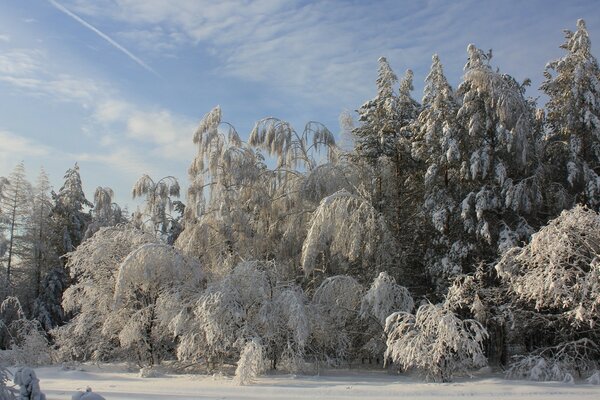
(573, 115)
(22, 341)
(383, 298)
(16, 207)
(347, 235)
(158, 202)
(105, 211)
(500, 191)
(152, 283)
(558, 272)
(69, 215)
(94, 266)
(279, 138)
(334, 309)
(44, 255)
(435, 341)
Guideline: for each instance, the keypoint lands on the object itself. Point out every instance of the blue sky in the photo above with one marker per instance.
(119, 85)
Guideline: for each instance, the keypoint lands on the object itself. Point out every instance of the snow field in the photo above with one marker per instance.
(115, 383)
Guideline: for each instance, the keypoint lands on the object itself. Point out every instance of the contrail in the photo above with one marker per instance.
(104, 36)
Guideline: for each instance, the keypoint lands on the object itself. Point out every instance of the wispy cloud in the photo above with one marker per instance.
(104, 36)
(4, 38)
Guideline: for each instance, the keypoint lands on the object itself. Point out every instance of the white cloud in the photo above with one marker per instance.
(4, 38)
(15, 148)
(20, 146)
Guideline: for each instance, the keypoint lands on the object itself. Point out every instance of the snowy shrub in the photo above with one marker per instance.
(594, 378)
(147, 278)
(558, 363)
(334, 309)
(384, 297)
(29, 384)
(26, 342)
(251, 363)
(94, 266)
(559, 269)
(247, 304)
(87, 395)
(435, 341)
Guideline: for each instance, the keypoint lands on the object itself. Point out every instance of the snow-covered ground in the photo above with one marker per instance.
(114, 383)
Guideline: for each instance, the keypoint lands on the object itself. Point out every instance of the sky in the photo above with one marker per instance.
(119, 86)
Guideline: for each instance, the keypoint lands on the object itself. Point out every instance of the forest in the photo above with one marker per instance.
(459, 232)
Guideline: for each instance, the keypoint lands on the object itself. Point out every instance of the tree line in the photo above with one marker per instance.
(458, 231)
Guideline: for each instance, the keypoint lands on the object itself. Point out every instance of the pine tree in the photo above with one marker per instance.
(573, 116)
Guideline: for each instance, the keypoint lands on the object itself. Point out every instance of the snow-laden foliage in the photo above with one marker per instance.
(23, 340)
(251, 363)
(334, 308)
(69, 215)
(558, 363)
(559, 269)
(94, 267)
(573, 114)
(6, 392)
(158, 202)
(248, 303)
(153, 281)
(15, 210)
(435, 341)
(279, 138)
(346, 235)
(105, 211)
(384, 297)
(29, 384)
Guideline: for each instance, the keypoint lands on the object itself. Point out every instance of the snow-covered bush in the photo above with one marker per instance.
(152, 283)
(247, 304)
(334, 317)
(26, 341)
(29, 384)
(251, 363)
(94, 266)
(87, 395)
(558, 363)
(383, 298)
(559, 270)
(435, 341)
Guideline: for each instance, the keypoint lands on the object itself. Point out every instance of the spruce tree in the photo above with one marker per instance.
(573, 117)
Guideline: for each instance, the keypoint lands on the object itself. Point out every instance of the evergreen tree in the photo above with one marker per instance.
(501, 192)
(573, 116)
(68, 215)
